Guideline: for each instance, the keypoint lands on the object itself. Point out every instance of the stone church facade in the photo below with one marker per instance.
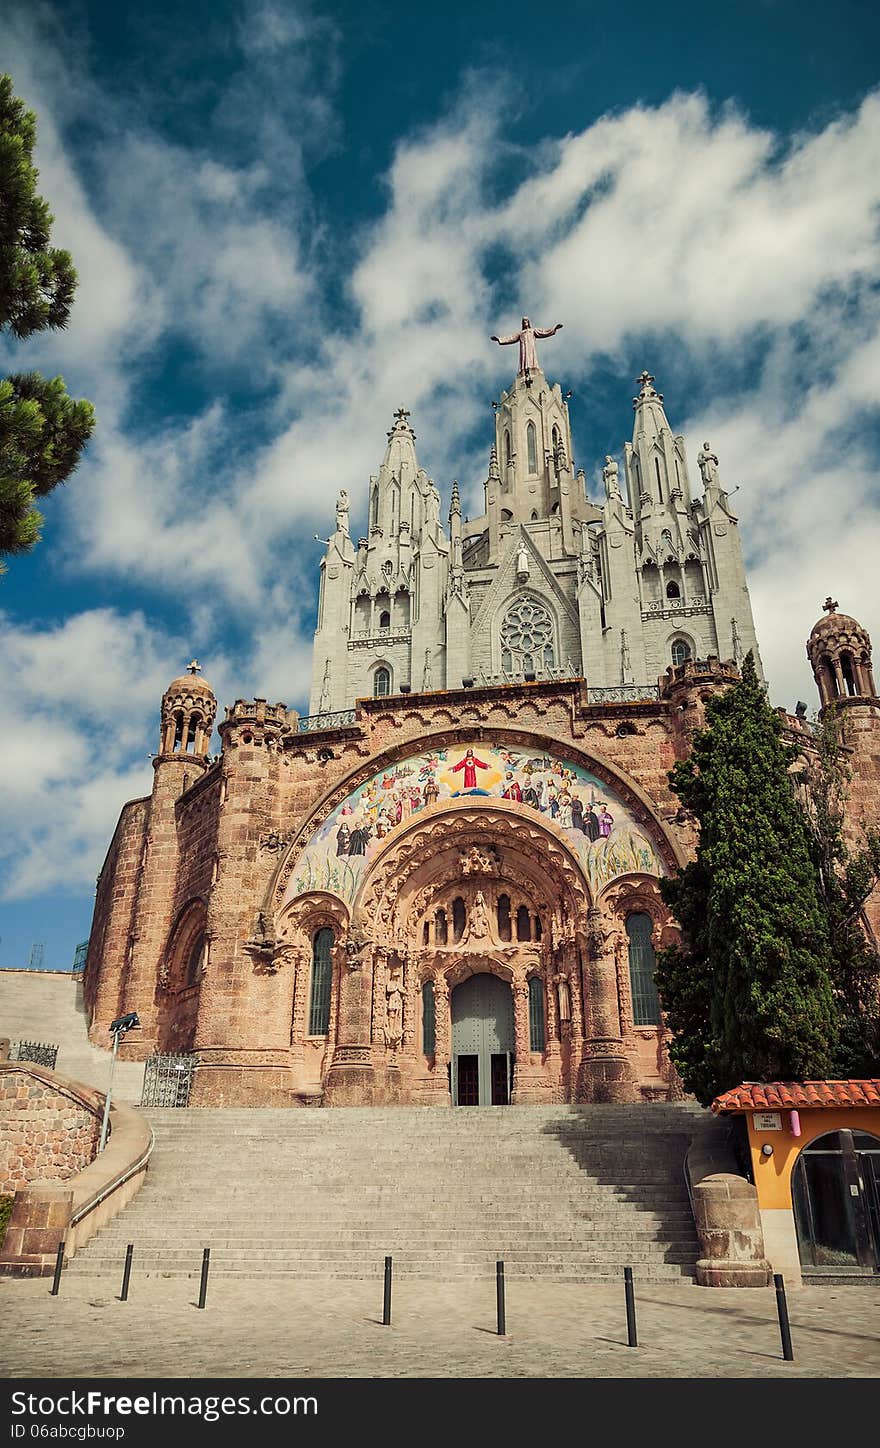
(440, 886)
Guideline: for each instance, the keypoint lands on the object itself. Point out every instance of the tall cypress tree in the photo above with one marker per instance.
(847, 876)
(42, 429)
(748, 993)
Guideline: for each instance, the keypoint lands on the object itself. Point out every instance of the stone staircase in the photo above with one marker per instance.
(45, 1007)
(575, 1193)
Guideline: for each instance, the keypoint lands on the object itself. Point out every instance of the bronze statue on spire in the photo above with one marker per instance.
(528, 352)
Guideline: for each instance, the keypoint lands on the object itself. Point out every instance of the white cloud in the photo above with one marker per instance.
(681, 229)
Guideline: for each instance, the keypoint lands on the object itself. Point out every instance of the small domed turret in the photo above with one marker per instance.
(188, 710)
(839, 650)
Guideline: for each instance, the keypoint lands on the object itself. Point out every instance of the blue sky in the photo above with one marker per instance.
(289, 219)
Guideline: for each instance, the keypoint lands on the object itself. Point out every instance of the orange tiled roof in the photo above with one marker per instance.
(795, 1095)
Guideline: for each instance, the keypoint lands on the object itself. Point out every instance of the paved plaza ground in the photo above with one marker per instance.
(332, 1329)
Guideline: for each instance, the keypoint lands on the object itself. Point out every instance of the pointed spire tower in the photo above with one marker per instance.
(369, 630)
(457, 607)
(656, 466)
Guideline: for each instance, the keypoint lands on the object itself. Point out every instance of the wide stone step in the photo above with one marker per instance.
(428, 1273)
(161, 1261)
(572, 1193)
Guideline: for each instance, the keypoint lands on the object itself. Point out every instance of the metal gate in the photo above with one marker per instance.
(40, 1052)
(167, 1080)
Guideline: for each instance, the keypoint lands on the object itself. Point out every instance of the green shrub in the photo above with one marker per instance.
(5, 1213)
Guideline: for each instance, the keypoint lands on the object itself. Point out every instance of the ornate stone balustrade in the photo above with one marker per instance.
(661, 608)
(623, 694)
(337, 720)
(365, 638)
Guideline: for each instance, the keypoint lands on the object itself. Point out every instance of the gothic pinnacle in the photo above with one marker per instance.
(645, 384)
(455, 504)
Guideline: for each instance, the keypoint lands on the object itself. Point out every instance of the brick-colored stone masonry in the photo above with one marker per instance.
(48, 1134)
(192, 928)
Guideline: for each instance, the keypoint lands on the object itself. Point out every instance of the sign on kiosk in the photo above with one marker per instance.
(767, 1120)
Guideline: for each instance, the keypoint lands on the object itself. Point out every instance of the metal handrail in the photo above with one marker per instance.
(118, 1181)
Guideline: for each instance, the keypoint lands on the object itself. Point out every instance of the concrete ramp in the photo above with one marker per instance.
(48, 1007)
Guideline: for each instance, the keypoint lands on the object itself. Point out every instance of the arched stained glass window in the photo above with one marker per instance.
(681, 650)
(429, 1018)
(642, 961)
(194, 959)
(381, 683)
(504, 928)
(527, 638)
(523, 923)
(322, 970)
(458, 918)
(537, 1032)
(532, 447)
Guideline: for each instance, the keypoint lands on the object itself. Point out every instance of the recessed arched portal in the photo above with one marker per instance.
(483, 1042)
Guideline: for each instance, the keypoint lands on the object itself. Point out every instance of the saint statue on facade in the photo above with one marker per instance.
(610, 478)
(528, 352)
(342, 512)
(707, 462)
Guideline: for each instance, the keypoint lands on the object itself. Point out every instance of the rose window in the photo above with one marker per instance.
(527, 638)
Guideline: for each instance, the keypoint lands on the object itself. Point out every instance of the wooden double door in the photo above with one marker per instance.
(483, 1040)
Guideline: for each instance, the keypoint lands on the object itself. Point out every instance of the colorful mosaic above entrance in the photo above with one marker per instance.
(605, 836)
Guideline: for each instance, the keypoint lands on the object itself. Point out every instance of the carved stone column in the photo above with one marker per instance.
(606, 1072)
(410, 1004)
(576, 993)
(529, 1081)
(433, 1090)
(552, 1016)
(301, 960)
(351, 1078)
(377, 1026)
(442, 1023)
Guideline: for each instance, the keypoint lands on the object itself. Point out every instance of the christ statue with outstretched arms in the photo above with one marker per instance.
(528, 354)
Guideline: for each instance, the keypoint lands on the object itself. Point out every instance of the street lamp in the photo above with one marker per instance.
(118, 1028)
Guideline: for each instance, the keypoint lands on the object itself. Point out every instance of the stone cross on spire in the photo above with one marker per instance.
(645, 384)
(400, 417)
(830, 605)
(194, 667)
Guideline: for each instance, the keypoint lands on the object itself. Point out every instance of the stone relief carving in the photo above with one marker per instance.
(394, 1009)
(480, 860)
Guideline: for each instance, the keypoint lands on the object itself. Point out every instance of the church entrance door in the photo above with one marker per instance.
(482, 1042)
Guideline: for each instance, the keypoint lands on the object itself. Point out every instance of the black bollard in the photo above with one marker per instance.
(499, 1297)
(203, 1290)
(631, 1336)
(59, 1263)
(782, 1310)
(386, 1298)
(126, 1274)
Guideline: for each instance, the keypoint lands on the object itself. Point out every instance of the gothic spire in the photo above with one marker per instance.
(650, 419)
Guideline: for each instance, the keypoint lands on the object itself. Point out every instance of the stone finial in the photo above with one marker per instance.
(400, 423)
(645, 384)
(455, 504)
(830, 605)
